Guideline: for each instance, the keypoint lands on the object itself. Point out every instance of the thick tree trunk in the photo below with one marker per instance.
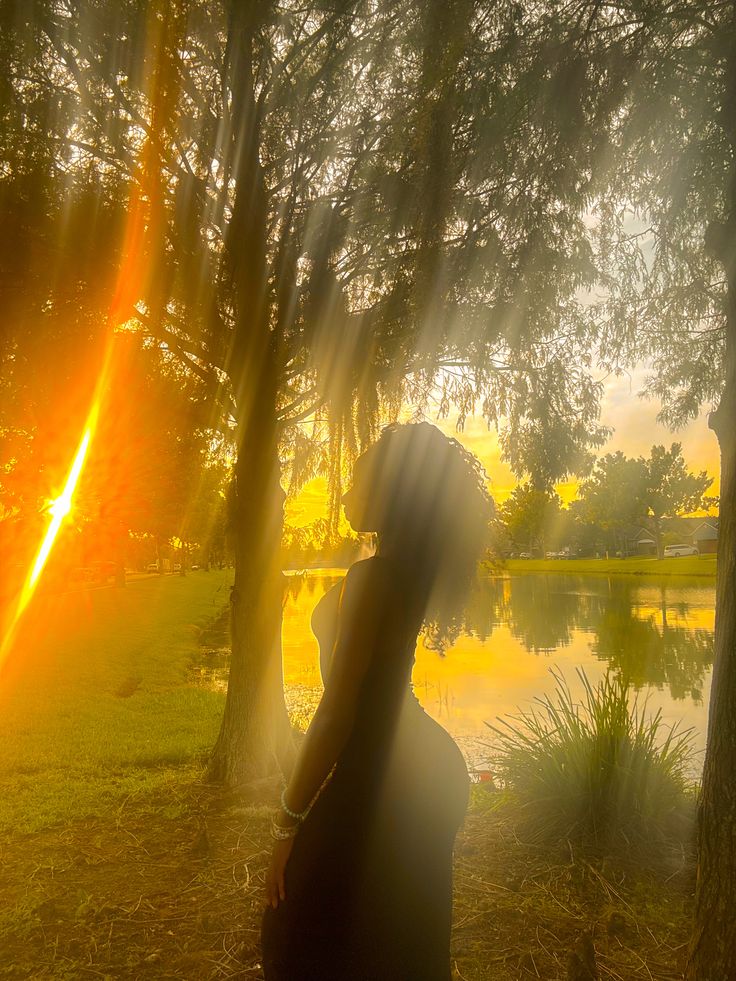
(255, 736)
(713, 946)
(713, 950)
(713, 954)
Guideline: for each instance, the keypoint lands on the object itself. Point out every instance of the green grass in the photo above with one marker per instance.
(601, 772)
(687, 565)
(98, 701)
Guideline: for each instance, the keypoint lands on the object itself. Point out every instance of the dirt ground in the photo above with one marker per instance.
(172, 888)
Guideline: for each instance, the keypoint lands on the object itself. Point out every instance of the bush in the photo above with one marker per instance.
(599, 772)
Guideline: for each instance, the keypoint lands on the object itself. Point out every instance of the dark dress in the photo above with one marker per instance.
(369, 879)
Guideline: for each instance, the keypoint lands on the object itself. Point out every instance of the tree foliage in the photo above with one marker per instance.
(359, 121)
(622, 492)
(530, 516)
(612, 497)
(320, 211)
(670, 489)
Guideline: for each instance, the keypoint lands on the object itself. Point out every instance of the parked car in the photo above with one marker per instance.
(675, 551)
(152, 567)
(525, 555)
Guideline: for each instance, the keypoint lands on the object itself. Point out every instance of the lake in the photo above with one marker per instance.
(657, 632)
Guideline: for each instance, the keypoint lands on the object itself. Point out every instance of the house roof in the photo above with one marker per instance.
(687, 527)
(706, 529)
(690, 522)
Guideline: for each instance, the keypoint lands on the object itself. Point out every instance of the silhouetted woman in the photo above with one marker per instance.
(360, 882)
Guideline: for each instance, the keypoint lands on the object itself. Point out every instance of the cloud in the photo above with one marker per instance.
(636, 429)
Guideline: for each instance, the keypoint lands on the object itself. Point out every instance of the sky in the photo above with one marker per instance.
(635, 431)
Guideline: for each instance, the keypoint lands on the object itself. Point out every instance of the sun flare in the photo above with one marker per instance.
(58, 510)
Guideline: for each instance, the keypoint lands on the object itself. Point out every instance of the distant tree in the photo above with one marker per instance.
(612, 497)
(670, 489)
(149, 464)
(205, 521)
(585, 538)
(317, 542)
(529, 516)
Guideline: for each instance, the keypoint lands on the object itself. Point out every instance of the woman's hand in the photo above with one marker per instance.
(275, 890)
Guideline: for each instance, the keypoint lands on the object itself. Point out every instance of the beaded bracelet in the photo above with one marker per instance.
(298, 816)
(279, 833)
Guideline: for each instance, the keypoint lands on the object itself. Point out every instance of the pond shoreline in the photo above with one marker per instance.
(700, 567)
(703, 566)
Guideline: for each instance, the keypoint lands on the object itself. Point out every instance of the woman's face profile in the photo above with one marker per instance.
(357, 501)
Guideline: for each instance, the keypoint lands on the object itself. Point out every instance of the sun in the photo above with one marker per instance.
(58, 510)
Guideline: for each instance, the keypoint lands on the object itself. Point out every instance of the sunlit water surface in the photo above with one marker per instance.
(658, 633)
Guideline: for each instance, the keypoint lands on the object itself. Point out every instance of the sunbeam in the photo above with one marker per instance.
(58, 509)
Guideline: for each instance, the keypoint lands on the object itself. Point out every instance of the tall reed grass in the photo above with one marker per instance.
(598, 772)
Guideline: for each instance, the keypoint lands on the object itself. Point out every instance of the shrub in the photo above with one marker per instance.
(599, 772)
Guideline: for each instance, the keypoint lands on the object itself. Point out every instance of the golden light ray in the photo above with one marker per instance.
(58, 510)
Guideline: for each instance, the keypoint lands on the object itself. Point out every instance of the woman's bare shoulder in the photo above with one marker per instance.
(328, 603)
(356, 577)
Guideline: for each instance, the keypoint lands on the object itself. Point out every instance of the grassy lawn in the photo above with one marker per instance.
(686, 565)
(97, 700)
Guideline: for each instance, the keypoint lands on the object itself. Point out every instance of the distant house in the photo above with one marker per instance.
(705, 537)
(638, 541)
(700, 532)
(641, 543)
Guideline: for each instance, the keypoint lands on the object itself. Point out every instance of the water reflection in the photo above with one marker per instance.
(657, 634)
(652, 647)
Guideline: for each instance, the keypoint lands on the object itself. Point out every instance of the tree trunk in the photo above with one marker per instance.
(713, 953)
(255, 736)
(713, 946)
(656, 529)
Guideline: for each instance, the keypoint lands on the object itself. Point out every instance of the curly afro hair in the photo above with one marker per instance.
(428, 502)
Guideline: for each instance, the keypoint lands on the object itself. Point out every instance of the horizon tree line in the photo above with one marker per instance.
(621, 494)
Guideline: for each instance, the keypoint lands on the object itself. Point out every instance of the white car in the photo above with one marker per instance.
(675, 551)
